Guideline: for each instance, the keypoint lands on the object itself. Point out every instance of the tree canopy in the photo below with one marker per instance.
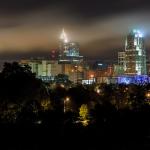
(18, 84)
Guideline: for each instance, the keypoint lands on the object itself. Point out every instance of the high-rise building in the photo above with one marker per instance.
(68, 51)
(133, 59)
(63, 45)
(65, 60)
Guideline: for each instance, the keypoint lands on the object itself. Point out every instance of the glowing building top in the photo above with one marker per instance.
(135, 40)
(63, 36)
(138, 33)
(68, 51)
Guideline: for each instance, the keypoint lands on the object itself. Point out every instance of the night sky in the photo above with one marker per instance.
(32, 27)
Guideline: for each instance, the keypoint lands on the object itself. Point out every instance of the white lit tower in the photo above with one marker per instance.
(63, 46)
(68, 51)
(135, 55)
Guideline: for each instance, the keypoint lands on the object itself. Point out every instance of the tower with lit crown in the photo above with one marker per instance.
(133, 59)
(63, 46)
(63, 37)
(68, 51)
(135, 55)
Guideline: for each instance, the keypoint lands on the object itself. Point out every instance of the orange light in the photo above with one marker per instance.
(148, 95)
(92, 76)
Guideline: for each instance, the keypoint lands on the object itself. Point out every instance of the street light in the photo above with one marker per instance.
(92, 78)
(98, 91)
(76, 69)
(148, 96)
(66, 100)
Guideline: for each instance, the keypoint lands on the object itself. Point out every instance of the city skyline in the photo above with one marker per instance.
(75, 74)
(32, 28)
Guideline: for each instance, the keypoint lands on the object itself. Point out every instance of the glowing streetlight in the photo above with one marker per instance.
(66, 100)
(98, 91)
(148, 95)
(62, 85)
(76, 70)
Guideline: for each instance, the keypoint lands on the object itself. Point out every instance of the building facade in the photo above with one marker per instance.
(68, 51)
(133, 59)
(44, 69)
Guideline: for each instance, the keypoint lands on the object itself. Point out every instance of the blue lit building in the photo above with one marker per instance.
(132, 61)
(139, 79)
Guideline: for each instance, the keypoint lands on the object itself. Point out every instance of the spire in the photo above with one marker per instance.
(63, 36)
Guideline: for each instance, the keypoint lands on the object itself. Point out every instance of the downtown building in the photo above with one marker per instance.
(64, 60)
(132, 61)
(70, 59)
(98, 71)
(68, 51)
(44, 69)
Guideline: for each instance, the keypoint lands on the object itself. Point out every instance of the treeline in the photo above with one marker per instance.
(95, 114)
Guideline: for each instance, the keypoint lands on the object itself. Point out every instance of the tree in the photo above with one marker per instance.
(84, 114)
(62, 78)
(19, 86)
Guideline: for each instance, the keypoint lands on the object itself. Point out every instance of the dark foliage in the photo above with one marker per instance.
(119, 114)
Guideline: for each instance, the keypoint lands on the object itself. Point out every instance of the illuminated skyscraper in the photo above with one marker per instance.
(68, 51)
(64, 46)
(73, 50)
(133, 59)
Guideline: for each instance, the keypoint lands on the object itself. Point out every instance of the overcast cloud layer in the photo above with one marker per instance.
(29, 26)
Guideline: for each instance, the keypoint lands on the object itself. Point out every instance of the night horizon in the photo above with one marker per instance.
(100, 27)
(74, 74)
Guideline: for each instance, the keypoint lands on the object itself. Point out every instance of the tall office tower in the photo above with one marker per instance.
(64, 45)
(135, 55)
(133, 59)
(68, 51)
